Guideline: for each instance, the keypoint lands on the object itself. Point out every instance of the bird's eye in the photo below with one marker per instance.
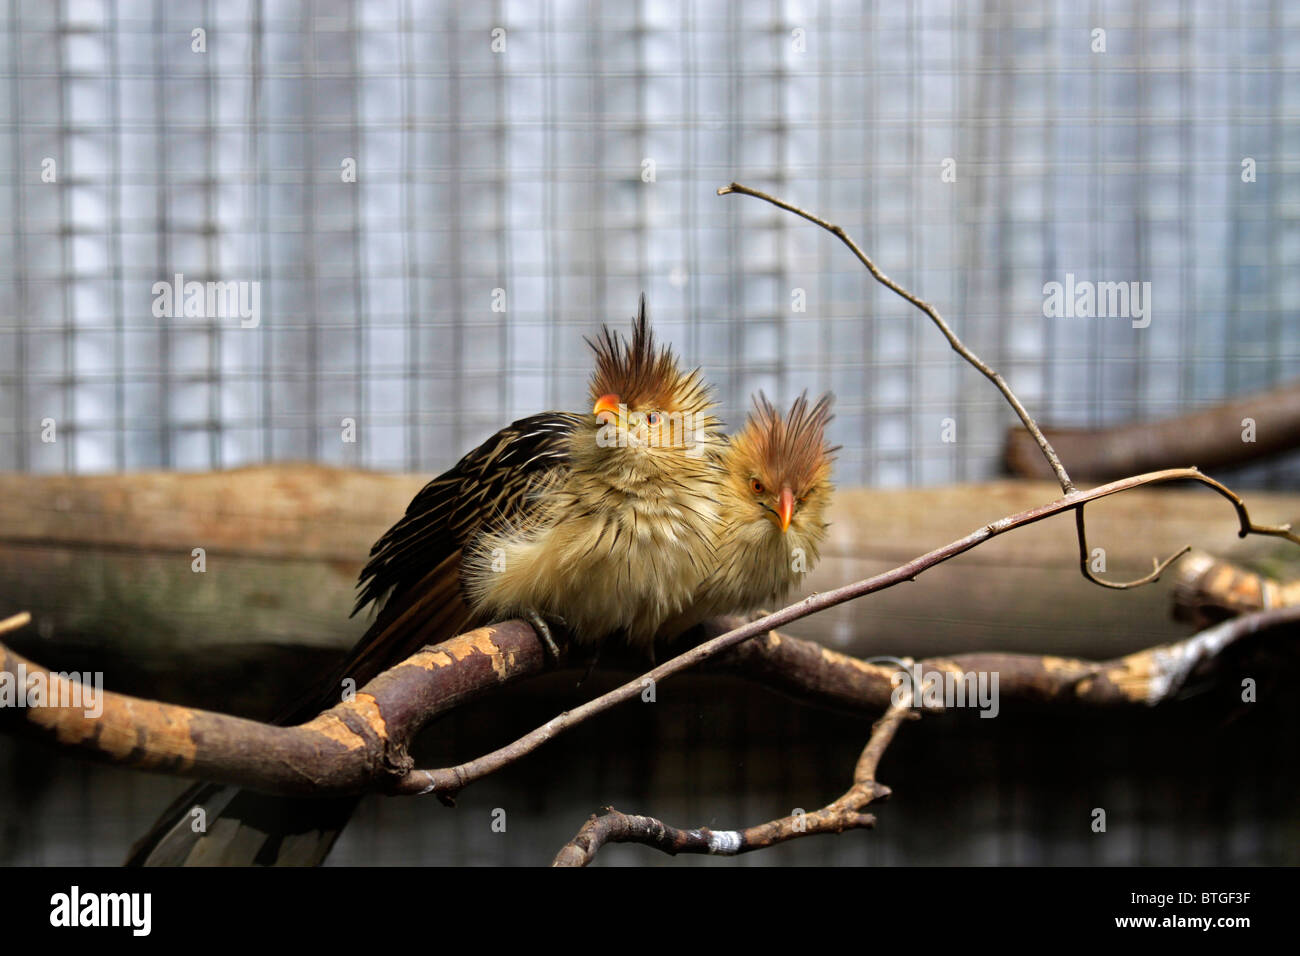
(652, 418)
(756, 486)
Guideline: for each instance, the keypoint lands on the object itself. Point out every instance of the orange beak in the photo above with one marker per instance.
(606, 405)
(785, 508)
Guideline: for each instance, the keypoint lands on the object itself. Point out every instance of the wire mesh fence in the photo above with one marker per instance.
(434, 202)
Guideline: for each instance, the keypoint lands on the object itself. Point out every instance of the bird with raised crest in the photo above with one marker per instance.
(602, 522)
(773, 499)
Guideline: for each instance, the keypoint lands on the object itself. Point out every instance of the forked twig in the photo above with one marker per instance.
(845, 813)
(993, 376)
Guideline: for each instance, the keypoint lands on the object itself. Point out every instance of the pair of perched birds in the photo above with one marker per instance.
(634, 521)
(637, 519)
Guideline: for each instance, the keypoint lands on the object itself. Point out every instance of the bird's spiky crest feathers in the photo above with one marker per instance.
(642, 375)
(789, 450)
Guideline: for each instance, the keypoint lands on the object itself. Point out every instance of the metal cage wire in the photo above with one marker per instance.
(518, 162)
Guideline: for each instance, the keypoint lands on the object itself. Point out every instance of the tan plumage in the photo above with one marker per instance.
(773, 500)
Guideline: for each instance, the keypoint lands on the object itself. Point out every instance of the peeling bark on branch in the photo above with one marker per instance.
(354, 747)
(361, 745)
(1209, 589)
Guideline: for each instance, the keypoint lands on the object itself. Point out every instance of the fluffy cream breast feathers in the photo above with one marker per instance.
(622, 539)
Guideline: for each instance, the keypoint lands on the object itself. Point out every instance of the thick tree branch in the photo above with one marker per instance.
(355, 746)
(1209, 589)
(362, 745)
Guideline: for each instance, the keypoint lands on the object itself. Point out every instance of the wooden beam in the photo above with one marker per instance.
(108, 560)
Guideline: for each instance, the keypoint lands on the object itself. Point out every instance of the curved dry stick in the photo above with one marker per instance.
(958, 346)
(844, 813)
(452, 779)
(1246, 526)
(1159, 568)
(1067, 485)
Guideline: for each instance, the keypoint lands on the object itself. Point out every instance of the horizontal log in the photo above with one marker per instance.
(107, 560)
(1210, 438)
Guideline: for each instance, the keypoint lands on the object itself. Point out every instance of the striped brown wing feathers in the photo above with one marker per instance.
(491, 483)
(414, 568)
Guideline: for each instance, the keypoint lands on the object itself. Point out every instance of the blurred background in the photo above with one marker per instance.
(439, 200)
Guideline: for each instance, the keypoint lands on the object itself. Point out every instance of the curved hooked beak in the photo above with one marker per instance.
(785, 508)
(606, 405)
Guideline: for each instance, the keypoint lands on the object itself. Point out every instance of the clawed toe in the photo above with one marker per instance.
(543, 629)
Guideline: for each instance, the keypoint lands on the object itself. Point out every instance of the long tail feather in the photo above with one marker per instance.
(246, 828)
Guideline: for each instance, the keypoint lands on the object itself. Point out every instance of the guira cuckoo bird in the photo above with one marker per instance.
(604, 522)
(775, 492)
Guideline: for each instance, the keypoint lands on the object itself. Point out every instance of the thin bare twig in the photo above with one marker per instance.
(847, 812)
(958, 346)
(1049, 453)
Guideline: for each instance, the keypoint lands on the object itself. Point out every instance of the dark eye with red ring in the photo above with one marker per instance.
(756, 486)
(652, 418)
